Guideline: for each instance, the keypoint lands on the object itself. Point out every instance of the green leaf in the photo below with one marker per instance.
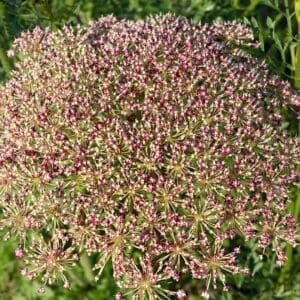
(261, 40)
(270, 23)
(254, 22)
(271, 4)
(277, 41)
(239, 279)
(246, 21)
(257, 267)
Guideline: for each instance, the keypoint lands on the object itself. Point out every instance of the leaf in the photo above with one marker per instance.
(284, 125)
(278, 17)
(270, 23)
(274, 5)
(261, 40)
(2, 10)
(280, 291)
(87, 268)
(257, 267)
(254, 22)
(239, 279)
(247, 21)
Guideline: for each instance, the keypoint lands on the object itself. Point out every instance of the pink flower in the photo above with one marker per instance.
(10, 53)
(19, 253)
(160, 137)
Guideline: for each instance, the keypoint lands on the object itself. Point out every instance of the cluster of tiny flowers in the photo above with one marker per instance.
(146, 144)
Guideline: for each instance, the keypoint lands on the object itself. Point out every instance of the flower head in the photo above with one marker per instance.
(147, 144)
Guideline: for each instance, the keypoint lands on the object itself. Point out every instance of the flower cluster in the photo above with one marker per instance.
(147, 144)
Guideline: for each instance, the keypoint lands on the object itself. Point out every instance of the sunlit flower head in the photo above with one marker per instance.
(148, 144)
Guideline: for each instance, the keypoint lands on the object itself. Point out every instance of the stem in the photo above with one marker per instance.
(290, 30)
(4, 61)
(297, 60)
(297, 206)
(288, 19)
(74, 278)
(86, 266)
(251, 7)
(236, 4)
(295, 210)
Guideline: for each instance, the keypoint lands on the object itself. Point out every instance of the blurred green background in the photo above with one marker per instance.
(276, 26)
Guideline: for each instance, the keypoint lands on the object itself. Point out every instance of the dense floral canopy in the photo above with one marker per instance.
(147, 144)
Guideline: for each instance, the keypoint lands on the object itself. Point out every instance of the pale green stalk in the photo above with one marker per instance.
(297, 62)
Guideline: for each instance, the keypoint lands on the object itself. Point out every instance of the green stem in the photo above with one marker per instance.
(235, 4)
(74, 278)
(290, 30)
(297, 60)
(295, 210)
(297, 206)
(4, 61)
(251, 7)
(87, 268)
(288, 19)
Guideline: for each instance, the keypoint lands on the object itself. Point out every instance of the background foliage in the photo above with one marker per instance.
(275, 23)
